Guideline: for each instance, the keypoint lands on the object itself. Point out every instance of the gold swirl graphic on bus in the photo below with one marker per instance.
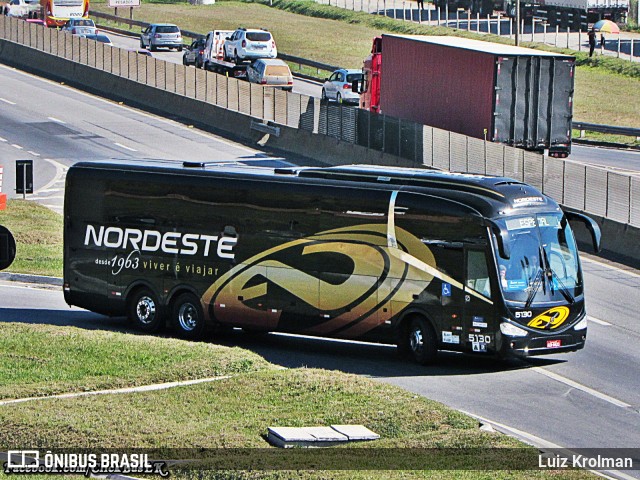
(551, 319)
(381, 283)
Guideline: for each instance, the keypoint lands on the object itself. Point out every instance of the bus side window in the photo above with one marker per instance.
(477, 273)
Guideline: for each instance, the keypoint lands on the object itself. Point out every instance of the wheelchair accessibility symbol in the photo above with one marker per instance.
(446, 289)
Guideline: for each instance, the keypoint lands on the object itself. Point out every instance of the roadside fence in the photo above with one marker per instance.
(536, 29)
(583, 187)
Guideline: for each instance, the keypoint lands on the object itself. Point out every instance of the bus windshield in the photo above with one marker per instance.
(543, 265)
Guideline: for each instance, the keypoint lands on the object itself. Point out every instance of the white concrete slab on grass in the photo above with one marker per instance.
(318, 436)
(356, 432)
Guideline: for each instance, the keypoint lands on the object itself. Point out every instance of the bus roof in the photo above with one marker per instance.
(485, 193)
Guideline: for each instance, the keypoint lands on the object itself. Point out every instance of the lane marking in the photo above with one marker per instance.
(54, 119)
(33, 153)
(598, 321)
(15, 145)
(582, 388)
(60, 171)
(125, 147)
(47, 197)
(3, 139)
(7, 101)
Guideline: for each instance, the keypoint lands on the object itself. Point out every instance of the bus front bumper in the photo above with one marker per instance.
(531, 345)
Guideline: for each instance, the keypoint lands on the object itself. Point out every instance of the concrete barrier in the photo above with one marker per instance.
(621, 242)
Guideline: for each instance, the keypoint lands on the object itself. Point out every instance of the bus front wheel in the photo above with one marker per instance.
(145, 311)
(188, 316)
(420, 341)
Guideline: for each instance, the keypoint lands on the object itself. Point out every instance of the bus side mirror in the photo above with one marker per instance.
(356, 86)
(503, 240)
(592, 226)
(7, 248)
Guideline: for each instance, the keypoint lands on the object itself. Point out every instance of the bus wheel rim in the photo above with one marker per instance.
(415, 341)
(187, 317)
(146, 310)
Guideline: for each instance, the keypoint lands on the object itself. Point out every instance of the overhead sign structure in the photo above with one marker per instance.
(123, 3)
(7, 248)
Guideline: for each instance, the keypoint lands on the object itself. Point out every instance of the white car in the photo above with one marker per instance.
(80, 26)
(23, 8)
(248, 44)
(270, 72)
(338, 86)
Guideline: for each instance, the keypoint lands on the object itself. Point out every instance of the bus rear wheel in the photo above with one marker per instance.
(188, 316)
(145, 311)
(420, 341)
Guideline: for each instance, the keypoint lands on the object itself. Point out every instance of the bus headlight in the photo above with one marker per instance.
(511, 330)
(582, 324)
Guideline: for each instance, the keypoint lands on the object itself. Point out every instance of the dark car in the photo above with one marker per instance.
(194, 53)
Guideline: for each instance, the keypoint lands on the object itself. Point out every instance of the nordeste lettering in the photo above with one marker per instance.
(152, 241)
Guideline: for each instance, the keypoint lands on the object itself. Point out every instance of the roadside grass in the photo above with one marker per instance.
(234, 414)
(38, 234)
(606, 88)
(38, 360)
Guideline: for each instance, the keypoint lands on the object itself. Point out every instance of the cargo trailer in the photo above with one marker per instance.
(517, 96)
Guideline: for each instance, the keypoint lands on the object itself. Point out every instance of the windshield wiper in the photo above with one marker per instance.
(535, 286)
(563, 288)
(551, 274)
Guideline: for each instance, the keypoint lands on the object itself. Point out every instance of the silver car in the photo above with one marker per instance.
(80, 26)
(338, 86)
(161, 35)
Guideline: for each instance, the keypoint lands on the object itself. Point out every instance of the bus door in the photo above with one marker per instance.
(478, 322)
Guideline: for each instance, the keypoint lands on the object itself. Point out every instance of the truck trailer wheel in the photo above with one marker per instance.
(145, 311)
(420, 341)
(188, 317)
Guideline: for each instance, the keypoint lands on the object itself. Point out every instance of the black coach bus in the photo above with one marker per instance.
(424, 259)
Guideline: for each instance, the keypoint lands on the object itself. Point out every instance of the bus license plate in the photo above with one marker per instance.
(554, 343)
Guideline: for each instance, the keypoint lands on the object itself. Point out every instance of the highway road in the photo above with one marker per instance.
(585, 399)
(304, 87)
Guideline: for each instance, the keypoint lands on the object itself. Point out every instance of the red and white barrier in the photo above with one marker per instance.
(3, 196)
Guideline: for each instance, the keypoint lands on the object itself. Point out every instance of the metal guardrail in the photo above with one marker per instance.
(611, 129)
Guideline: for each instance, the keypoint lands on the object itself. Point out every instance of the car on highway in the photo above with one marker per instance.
(194, 53)
(80, 26)
(249, 44)
(338, 86)
(161, 35)
(270, 72)
(22, 8)
(99, 37)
